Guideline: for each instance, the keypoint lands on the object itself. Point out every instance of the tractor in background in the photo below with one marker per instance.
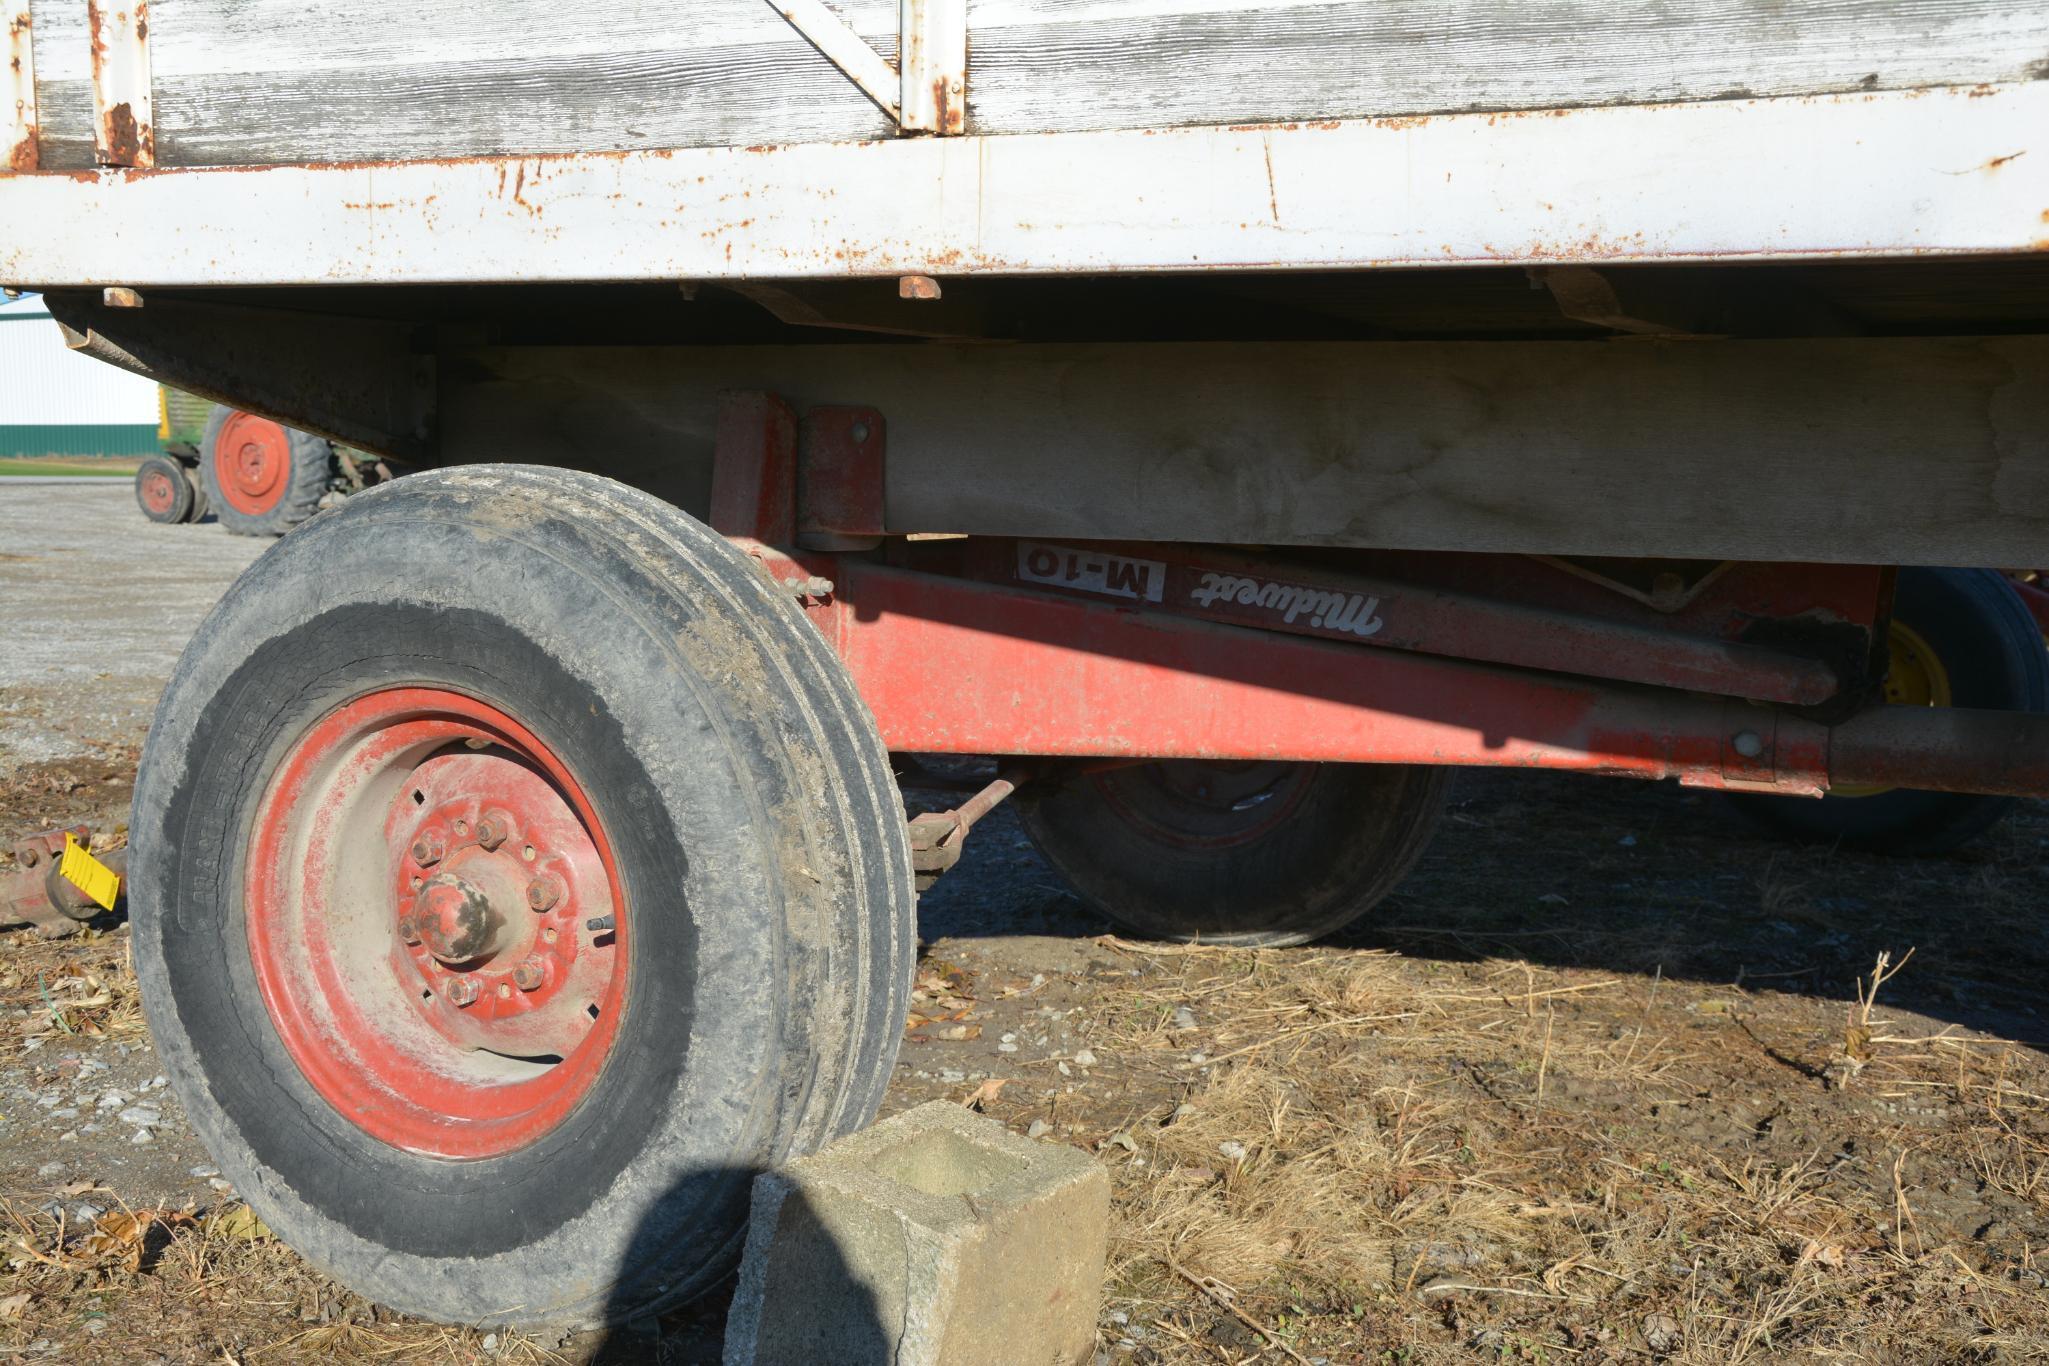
(256, 476)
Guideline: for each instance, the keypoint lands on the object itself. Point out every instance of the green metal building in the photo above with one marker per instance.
(55, 402)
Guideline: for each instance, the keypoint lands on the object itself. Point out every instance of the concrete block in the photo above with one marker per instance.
(935, 1238)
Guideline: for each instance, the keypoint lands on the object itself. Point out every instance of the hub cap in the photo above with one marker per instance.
(252, 462)
(435, 922)
(1914, 677)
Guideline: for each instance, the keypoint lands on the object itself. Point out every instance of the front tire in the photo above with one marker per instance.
(1960, 638)
(398, 716)
(1246, 854)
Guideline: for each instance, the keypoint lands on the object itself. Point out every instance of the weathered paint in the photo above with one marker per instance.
(23, 152)
(935, 66)
(1888, 174)
(124, 117)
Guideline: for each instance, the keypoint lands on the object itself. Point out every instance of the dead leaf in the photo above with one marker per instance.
(12, 1305)
(80, 1187)
(1821, 1254)
(956, 1033)
(986, 1092)
(237, 1221)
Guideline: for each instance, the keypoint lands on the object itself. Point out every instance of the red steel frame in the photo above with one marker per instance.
(979, 648)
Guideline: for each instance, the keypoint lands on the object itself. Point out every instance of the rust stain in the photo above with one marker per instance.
(126, 142)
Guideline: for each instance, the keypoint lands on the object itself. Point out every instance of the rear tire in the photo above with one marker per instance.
(1247, 854)
(1969, 629)
(725, 777)
(162, 491)
(261, 477)
(200, 506)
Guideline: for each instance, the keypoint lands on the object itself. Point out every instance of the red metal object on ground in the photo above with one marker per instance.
(38, 894)
(436, 923)
(253, 461)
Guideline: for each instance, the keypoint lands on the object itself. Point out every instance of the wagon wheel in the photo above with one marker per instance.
(261, 477)
(1958, 638)
(515, 874)
(1236, 853)
(162, 491)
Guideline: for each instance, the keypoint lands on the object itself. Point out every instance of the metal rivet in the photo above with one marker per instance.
(1748, 744)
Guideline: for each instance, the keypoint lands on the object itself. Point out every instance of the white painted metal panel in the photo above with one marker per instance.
(1945, 172)
(42, 383)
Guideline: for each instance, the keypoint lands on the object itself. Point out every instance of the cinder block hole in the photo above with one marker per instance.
(940, 1163)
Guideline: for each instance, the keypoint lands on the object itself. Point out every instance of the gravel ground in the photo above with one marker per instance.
(95, 604)
(1582, 1090)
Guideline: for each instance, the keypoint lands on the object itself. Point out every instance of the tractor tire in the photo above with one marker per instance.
(261, 477)
(516, 874)
(162, 491)
(1246, 854)
(1960, 638)
(201, 506)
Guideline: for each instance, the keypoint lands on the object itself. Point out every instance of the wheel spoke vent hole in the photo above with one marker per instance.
(419, 798)
(591, 1010)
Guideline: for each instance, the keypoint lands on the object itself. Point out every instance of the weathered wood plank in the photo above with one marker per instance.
(1142, 62)
(252, 81)
(1897, 450)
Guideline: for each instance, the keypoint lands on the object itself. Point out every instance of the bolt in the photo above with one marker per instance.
(409, 929)
(528, 975)
(504, 991)
(543, 892)
(1748, 744)
(29, 857)
(598, 924)
(462, 991)
(428, 848)
(493, 829)
(859, 432)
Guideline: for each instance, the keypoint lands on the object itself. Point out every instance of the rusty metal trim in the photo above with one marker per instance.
(934, 59)
(24, 148)
(124, 113)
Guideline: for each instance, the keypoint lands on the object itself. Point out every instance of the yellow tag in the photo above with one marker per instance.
(88, 874)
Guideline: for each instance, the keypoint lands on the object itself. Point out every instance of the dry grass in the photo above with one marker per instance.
(1369, 1156)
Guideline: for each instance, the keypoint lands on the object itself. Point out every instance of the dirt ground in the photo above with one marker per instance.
(1595, 1085)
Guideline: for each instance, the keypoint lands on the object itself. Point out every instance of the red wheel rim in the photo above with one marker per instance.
(252, 461)
(1205, 804)
(158, 493)
(436, 923)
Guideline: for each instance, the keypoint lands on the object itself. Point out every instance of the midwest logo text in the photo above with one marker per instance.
(1325, 610)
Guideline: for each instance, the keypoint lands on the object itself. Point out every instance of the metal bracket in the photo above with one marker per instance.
(926, 92)
(938, 836)
(124, 113)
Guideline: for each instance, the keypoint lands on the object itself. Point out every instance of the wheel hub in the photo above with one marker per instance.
(253, 460)
(157, 492)
(435, 923)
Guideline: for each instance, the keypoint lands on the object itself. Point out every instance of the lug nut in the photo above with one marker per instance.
(462, 991)
(528, 975)
(543, 892)
(409, 929)
(428, 848)
(493, 829)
